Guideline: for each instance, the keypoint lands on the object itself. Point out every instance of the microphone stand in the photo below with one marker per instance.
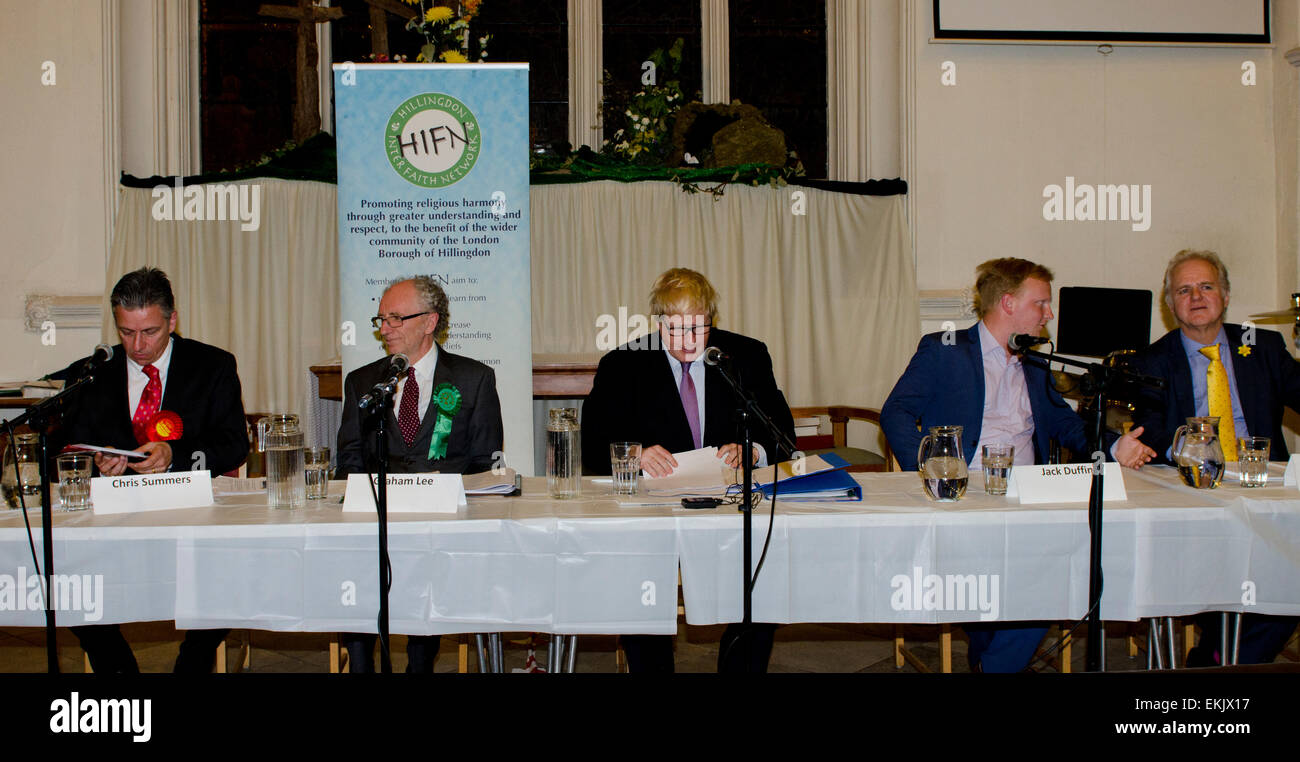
(1096, 383)
(380, 414)
(38, 418)
(748, 410)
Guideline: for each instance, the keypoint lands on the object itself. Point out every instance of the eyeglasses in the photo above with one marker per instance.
(682, 330)
(394, 320)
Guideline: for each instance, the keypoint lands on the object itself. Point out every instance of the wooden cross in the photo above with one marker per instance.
(379, 10)
(306, 106)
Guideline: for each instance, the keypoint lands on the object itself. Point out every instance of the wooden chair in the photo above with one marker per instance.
(837, 441)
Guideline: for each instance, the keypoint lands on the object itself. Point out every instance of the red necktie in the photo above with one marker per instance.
(408, 415)
(150, 401)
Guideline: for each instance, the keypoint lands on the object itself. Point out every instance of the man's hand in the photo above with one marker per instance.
(110, 465)
(657, 462)
(159, 458)
(1130, 452)
(731, 454)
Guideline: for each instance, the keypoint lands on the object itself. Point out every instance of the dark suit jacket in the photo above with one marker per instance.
(202, 388)
(1267, 379)
(477, 435)
(944, 386)
(634, 399)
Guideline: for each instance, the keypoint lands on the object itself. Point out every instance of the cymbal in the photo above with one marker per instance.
(1278, 316)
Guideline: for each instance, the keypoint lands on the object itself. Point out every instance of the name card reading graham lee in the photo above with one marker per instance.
(434, 228)
(151, 492)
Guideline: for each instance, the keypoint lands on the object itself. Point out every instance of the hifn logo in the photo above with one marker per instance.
(432, 140)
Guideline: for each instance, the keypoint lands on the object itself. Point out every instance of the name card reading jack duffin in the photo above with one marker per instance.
(1064, 483)
(151, 492)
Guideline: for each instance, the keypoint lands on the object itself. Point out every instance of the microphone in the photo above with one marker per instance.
(1022, 341)
(397, 365)
(715, 356)
(102, 354)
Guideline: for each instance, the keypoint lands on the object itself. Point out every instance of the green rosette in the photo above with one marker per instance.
(447, 399)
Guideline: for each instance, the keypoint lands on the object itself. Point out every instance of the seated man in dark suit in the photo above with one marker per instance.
(154, 370)
(970, 378)
(667, 399)
(1216, 368)
(446, 418)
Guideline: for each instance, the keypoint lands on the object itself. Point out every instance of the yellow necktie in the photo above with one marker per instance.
(1220, 398)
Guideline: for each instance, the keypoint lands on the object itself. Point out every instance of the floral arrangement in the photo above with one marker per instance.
(446, 30)
(646, 135)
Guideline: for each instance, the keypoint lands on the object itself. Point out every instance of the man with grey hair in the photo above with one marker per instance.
(156, 375)
(447, 417)
(1244, 376)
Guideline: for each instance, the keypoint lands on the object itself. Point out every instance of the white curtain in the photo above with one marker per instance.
(831, 290)
(269, 296)
(825, 279)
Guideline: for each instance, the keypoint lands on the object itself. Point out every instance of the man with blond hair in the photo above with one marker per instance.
(972, 379)
(1243, 376)
(659, 392)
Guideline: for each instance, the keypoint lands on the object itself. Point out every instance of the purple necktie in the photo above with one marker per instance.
(691, 404)
(408, 414)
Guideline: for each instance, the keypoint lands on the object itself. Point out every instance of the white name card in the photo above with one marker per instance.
(1063, 483)
(407, 493)
(1289, 478)
(151, 492)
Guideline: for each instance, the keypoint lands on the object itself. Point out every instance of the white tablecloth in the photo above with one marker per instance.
(589, 566)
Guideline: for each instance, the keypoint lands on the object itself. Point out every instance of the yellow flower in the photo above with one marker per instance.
(411, 2)
(438, 13)
(1243, 350)
(453, 56)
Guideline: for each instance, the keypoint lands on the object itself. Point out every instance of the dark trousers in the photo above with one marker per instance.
(738, 652)
(1262, 639)
(421, 651)
(110, 654)
(1001, 648)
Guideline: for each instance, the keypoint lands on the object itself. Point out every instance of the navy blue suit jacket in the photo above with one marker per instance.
(1268, 378)
(944, 386)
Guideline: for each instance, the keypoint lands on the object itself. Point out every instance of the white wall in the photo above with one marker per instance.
(54, 202)
(1021, 117)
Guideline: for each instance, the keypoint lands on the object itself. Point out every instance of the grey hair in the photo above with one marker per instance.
(146, 287)
(1209, 258)
(434, 300)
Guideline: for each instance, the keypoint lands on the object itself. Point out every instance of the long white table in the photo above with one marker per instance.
(589, 566)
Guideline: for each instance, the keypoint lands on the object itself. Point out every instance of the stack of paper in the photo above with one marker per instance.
(499, 481)
(699, 473)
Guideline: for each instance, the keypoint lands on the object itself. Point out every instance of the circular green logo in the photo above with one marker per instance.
(432, 140)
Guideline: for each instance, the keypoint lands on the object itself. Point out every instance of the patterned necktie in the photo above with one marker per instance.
(147, 408)
(1220, 398)
(408, 416)
(691, 404)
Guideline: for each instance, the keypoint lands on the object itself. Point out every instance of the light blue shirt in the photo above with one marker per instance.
(1201, 365)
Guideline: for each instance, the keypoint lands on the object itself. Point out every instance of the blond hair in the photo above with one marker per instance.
(1004, 276)
(680, 291)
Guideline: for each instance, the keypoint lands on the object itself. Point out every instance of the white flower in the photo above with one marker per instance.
(645, 120)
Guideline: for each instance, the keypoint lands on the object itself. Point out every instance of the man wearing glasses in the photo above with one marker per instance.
(446, 417)
(661, 394)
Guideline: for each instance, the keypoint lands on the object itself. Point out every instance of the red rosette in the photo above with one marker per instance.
(165, 427)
